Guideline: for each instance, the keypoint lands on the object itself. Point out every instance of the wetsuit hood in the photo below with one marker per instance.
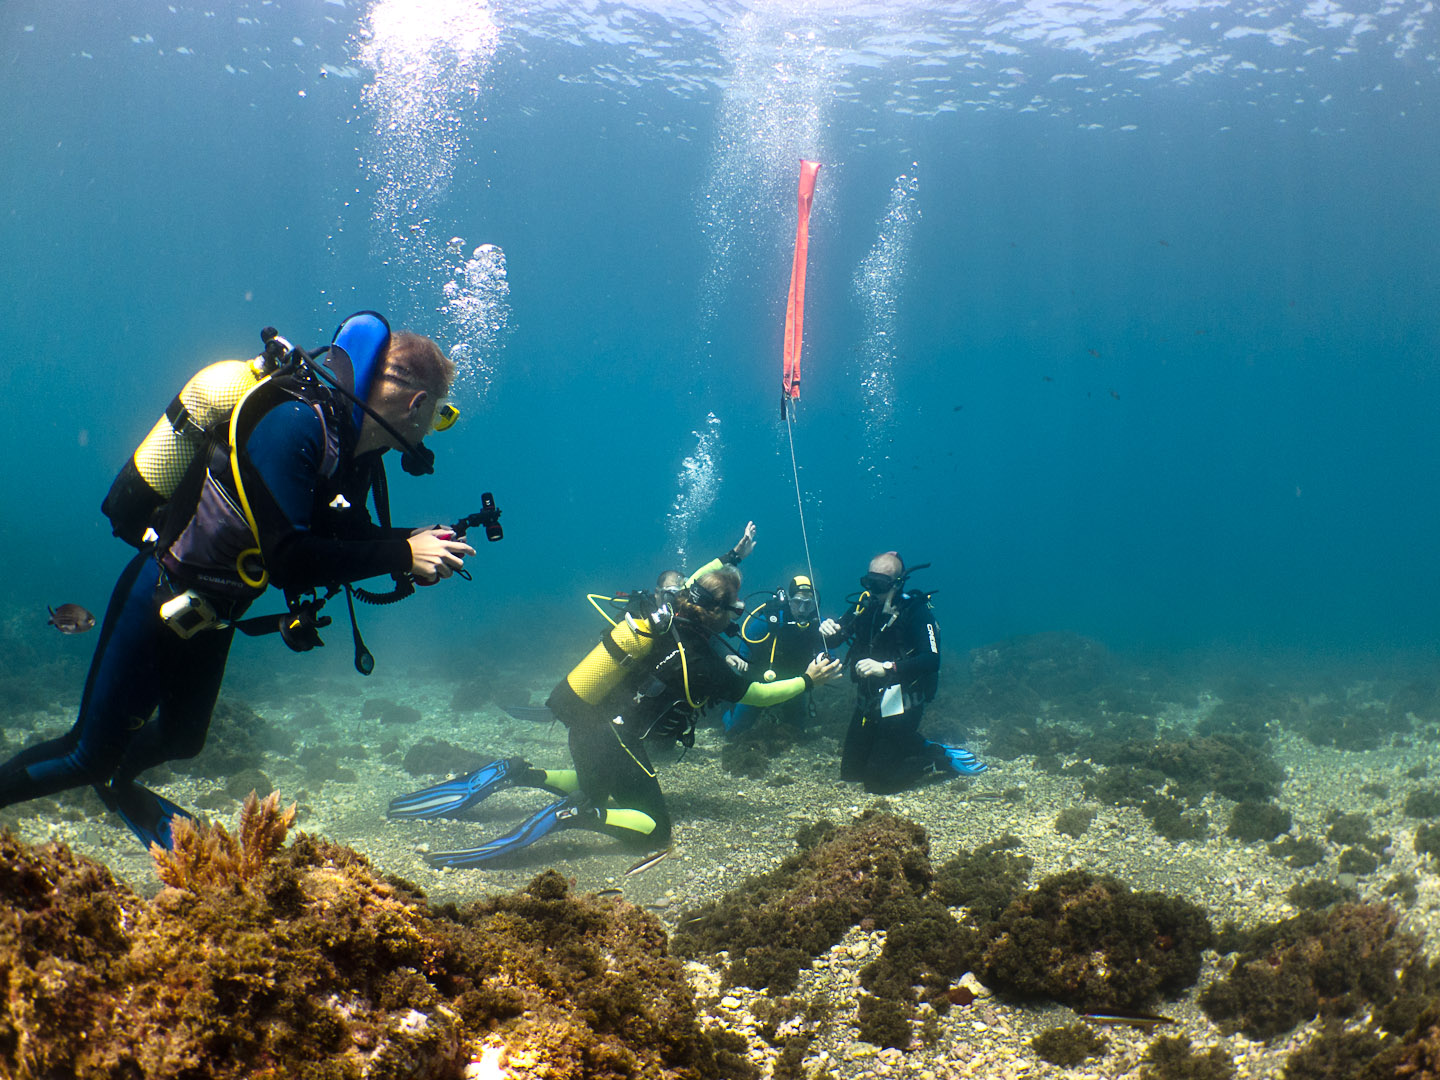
(356, 355)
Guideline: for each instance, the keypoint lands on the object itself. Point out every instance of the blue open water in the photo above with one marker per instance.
(1127, 323)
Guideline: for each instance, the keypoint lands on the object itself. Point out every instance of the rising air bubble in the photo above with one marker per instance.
(878, 285)
(430, 59)
(699, 484)
(477, 304)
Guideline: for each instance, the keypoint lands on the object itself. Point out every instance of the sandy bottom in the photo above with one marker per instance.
(728, 828)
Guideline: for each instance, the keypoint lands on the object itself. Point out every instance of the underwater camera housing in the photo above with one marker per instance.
(188, 613)
(488, 516)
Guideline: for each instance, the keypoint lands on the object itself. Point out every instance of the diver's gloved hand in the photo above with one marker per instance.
(829, 628)
(824, 669)
(739, 663)
(300, 629)
(869, 669)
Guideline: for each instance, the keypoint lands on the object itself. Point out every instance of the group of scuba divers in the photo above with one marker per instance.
(260, 473)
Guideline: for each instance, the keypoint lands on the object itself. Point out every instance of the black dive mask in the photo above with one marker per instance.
(877, 584)
(706, 600)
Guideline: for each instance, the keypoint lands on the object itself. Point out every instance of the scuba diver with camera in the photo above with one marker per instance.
(649, 678)
(257, 475)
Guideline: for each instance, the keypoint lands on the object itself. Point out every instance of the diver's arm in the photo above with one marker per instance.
(733, 557)
(765, 694)
(820, 672)
(286, 450)
(922, 654)
(709, 568)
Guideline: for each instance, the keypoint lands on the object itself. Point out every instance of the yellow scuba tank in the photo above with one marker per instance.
(210, 395)
(601, 671)
(150, 477)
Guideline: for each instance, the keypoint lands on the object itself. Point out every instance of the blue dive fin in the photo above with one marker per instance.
(148, 815)
(461, 793)
(567, 813)
(959, 761)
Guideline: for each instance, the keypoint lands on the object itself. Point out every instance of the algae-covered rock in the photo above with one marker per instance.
(1070, 1045)
(1334, 964)
(1254, 820)
(1090, 942)
(308, 963)
(775, 923)
(1171, 1057)
(986, 880)
(1074, 821)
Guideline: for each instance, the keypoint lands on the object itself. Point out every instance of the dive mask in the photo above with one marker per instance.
(446, 417)
(877, 584)
(706, 600)
(802, 607)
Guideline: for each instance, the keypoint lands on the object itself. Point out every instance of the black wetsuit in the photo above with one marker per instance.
(787, 648)
(606, 740)
(887, 753)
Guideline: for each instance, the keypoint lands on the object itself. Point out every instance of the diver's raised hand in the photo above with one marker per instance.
(822, 670)
(829, 628)
(746, 543)
(435, 553)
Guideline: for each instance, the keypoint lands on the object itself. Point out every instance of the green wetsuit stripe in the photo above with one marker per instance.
(766, 694)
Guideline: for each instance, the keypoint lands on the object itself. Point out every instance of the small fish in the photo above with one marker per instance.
(1164, 243)
(601, 894)
(1120, 1018)
(538, 714)
(1094, 352)
(1114, 395)
(647, 862)
(71, 619)
(1046, 378)
(984, 796)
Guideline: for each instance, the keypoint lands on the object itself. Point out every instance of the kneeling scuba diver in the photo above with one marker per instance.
(647, 679)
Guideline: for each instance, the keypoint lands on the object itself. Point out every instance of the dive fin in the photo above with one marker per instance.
(567, 813)
(958, 761)
(148, 815)
(459, 793)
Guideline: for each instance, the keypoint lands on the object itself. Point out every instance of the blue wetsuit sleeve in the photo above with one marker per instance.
(286, 450)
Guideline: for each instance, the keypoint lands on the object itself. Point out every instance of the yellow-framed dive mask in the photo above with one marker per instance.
(446, 417)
